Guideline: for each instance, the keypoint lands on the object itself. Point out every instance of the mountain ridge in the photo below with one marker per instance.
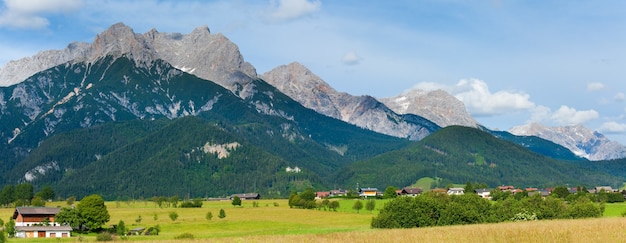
(582, 141)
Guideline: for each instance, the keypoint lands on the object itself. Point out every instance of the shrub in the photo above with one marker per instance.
(222, 214)
(104, 236)
(524, 216)
(154, 230)
(173, 216)
(184, 236)
(209, 216)
(3, 238)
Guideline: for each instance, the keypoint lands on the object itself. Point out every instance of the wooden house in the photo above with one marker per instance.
(38, 222)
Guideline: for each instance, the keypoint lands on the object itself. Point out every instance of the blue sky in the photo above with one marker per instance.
(510, 62)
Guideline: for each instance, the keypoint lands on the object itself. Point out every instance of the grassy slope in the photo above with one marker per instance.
(268, 223)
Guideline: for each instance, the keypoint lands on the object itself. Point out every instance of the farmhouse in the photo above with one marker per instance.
(246, 196)
(38, 222)
(320, 195)
(411, 191)
(368, 192)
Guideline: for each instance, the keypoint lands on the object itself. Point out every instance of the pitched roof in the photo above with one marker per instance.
(412, 190)
(43, 228)
(35, 211)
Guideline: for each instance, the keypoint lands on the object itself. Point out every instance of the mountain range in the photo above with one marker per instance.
(159, 112)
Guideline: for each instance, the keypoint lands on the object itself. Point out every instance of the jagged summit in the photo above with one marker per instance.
(582, 141)
(302, 85)
(206, 55)
(437, 106)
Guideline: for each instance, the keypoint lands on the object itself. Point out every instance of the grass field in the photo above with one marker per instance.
(268, 223)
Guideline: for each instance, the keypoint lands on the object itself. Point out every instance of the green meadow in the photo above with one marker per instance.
(274, 221)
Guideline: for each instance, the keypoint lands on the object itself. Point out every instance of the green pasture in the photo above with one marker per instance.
(246, 221)
(264, 220)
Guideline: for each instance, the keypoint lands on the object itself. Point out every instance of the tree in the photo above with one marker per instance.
(10, 228)
(560, 192)
(358, 205)
(174, 201)
(121, 228)
(71, 217)
(390, 192)
(333, 205)
(222, 214)
(469, 187)
(209, 216)
(173, 216)
(70, 200)
(236, 201)
(93, 211)
(7, 196)
(24, 193)
(38, 202)
(370, 205)
(46, 193)
(3, 238)
(138, 219)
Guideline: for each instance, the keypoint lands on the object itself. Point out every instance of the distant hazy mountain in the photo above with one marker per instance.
(582, 141)
(437, 106)
(311, 91)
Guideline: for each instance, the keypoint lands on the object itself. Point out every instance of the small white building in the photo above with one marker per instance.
(456, 191)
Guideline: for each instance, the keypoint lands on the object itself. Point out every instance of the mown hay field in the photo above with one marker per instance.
(270, 223)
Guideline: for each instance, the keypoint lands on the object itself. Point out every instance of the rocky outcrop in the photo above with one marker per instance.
(437, 106)
(311, 91)
(582, 141)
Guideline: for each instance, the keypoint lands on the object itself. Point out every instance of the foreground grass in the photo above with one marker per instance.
(268, 223)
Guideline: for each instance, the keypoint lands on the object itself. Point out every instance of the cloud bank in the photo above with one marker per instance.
(31, 14)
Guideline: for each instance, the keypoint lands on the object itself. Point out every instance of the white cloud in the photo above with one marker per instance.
(351, 58)
(613, 127)
(619, 97)
(292, 9)
(479, 100)
(30, 13)
(595, 86)
(569, 116)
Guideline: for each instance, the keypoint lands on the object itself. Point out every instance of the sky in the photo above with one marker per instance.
(554, 62)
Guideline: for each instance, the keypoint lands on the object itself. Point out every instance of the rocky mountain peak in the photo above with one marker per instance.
(438, 106)
(209, 56)
(579, 139)
(120, 39)
(302, 85)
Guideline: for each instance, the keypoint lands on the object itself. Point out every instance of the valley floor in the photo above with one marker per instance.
(271, 223)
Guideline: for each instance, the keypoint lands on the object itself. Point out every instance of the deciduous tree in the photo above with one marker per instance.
(370, 205)
(93, 212)
(236, 201)
(358, 205)
(390, 192)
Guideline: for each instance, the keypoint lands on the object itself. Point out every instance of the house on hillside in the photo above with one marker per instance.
(338, 193)
(483, 192)
(246, 196)
(368, 192)
(456, 191)
(321, 195)
(38, 222)
(605, 188)
(411, 191)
